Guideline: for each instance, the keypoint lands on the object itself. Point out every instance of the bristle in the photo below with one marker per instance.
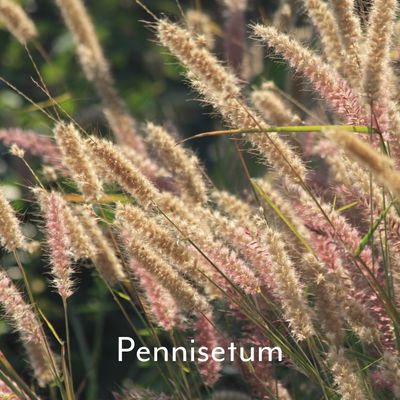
(231, 269)
(163, 308)
(136, 220)
(272, 106)
(206, 334)
(81, 243)
(233, 206)
(391, 371)
(201, 62)
(377, 73)
(288, 287)
(376, 62)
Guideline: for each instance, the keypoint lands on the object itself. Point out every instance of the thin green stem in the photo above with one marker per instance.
(291, 128)
(68, 340)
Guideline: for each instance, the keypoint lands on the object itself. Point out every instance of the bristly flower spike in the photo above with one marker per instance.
(59, 245)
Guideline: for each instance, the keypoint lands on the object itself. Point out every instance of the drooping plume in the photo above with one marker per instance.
(97, 70)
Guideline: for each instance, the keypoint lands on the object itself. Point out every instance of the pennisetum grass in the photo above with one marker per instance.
(307, 259)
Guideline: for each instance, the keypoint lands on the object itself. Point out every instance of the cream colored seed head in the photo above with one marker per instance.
(379, 164)
(81, 244)
(182, 44)
(25, 322)
(220, 87)
(233, 206)
(184, 293)
(351, 37)
(289, 287)
(376, 64)
(75, 157)
(201, 24)
(272, 106)
(11, 236)
(16, 151)
(273, 150)
(17, 21)
(345, 375)
(104, 257)
(185, 166)
(325, 22)
(158, 236)
(97, 70)
(118, 168)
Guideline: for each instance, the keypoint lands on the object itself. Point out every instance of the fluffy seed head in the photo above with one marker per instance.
(116, 167)
(380, 165)
(220, 88)
(351, 36)
(325, 22)
(376, 63)
(180, 162)
(207, 335)
(271, 106)
(97, 70)
(17, 21)
(75, 157)
(11, 236)
(59, 245)
(160, 237)
(182, 44)
(344, 372)
(24, 320)
(184, 293)
(324, 78)
(104, 257)
(201, 24)
(35, 144)
(162, 306)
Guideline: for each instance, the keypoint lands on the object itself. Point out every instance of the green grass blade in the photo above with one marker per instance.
(365, 240)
